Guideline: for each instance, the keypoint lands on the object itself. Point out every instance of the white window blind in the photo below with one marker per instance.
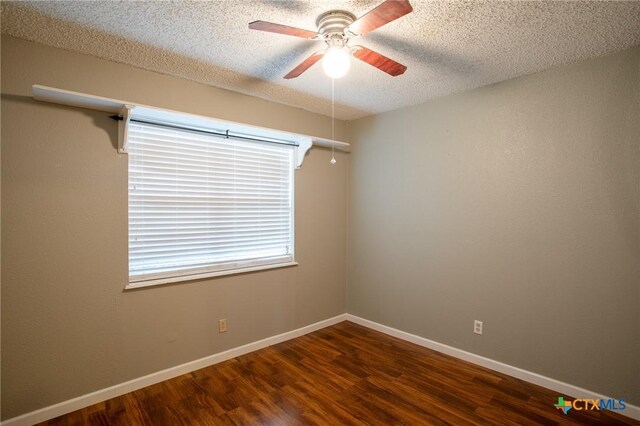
(202, 203)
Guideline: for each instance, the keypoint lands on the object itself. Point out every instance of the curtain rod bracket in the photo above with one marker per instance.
(123, 128)
(301, 150)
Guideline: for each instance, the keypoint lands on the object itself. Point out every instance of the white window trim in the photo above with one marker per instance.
(203, 275)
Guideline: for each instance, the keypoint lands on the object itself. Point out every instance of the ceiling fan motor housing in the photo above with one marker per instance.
(332, 25)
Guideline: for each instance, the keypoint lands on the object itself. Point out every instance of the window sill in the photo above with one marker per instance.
(192, 277)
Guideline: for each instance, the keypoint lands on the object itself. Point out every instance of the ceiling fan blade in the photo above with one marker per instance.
(384, 13)
(305, 65)
(281, 29)
(379, 61)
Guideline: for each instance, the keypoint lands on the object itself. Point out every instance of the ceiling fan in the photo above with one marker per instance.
(337, 28)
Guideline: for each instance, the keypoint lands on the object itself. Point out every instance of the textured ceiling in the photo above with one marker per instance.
(448, 46)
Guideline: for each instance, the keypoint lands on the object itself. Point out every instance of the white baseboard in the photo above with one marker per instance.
(83, 401)
(631, 411)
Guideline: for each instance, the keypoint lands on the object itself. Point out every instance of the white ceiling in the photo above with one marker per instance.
(448, 46)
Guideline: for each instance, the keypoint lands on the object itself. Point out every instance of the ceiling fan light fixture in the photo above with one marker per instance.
(337, 28)
(336, 62)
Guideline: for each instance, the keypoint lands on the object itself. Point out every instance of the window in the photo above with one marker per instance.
(202, 204)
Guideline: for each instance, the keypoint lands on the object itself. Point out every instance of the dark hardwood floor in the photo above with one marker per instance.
(341, 375)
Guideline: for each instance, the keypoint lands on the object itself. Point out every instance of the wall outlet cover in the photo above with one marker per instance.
(477, 327)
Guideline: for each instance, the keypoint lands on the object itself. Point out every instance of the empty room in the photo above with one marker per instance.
(357, 212)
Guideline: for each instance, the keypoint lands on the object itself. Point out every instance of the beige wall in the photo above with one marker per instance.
(67, 326)
(517, 204)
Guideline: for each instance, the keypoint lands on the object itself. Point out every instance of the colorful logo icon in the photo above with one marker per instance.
(563, 405)
(590, 404)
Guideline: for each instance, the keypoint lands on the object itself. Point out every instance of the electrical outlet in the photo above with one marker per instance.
(477, 327)
(222, 326)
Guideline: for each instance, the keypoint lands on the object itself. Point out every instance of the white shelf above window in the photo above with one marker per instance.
(131, 110)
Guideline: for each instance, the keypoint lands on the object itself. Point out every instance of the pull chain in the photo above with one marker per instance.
(333, 125)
